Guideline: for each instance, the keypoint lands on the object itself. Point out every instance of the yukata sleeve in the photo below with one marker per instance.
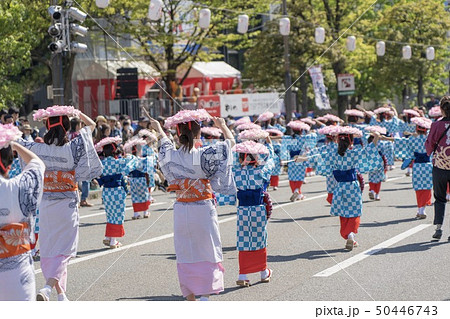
(30, 184)
(368, 159)
(129, 164)
(285, 147)
(217, 163)
(402, 147)
(267, 170)
(373, 121)
(87, 163)
(322, 161)
(165, 149)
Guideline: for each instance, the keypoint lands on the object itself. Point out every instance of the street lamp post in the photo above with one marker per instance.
(287, 73)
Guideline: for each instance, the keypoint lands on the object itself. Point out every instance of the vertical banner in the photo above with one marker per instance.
(320, 91)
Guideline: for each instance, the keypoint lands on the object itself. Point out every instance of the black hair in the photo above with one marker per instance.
(74, 123)
(382, 116)
(7, 158)
(187, 133)
(251, 159)
(13, 110)
(445, 105)
(111, 150)
(367, 119)
(352, 119)
(57, 134)
(345, 140)
(273, 121)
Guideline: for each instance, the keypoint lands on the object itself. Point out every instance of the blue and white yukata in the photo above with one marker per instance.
(347, 197)
(139, 189)
(147, 151)
(297, 145)
(378, 176)
(413, 148)
(331, 183)
(251, 183)
(392, 129)
(275, 178)
(114, 193)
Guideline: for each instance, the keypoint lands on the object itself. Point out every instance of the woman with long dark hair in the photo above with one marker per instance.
(67, 163)
(194, 174)
(19, 199)
(344, 163)
(438, 144)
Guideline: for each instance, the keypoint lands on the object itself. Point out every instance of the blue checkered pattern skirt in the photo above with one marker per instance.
(114, 200)
(251, 228)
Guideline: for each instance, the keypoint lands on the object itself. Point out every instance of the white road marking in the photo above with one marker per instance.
(155, 239)
(128, 208)
(357, 258)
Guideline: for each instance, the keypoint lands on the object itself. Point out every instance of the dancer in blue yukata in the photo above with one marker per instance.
(148, 151)
(343, 164)
(252, 176)
(114, 187)
(376, 177)
(413, 148)
(276, 136)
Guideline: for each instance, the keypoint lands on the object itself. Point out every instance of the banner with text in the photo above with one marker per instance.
(210, 103)
(250, 104)
(320, 91)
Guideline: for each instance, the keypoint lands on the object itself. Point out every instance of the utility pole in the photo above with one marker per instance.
(57, 59)
(287, 72)
(61, 30)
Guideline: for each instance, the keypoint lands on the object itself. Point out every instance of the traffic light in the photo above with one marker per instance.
(64, 28)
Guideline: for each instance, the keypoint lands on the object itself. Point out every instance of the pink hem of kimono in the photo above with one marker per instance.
(201, 278)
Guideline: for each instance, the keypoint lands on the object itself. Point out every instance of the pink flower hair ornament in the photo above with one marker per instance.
(356, 113)
(382, 110)
(8, 134)
(266, 116)
(435, 111)
(332, 130)
(299, 126)
(56, 110)
(211, 131)
(350, 131)
(308, 120)
(274, 132)
(107, 140)
(253, 134)
(128, 147)
(186, 116)
(422, 122)
(333, 118)
(250, 147)
(146, 134)
(411, 113)
(376, 128)
(242, 120)
(248, 126)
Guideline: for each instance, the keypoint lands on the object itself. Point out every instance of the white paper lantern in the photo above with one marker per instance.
(407, 52)
(155, 10)
(242, 24)
(381, 48)
(285, 26)
(351, 43)
(204, 18)
(102, 4)
(320, 35)
(430, 53)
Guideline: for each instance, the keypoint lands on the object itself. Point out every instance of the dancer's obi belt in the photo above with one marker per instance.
(421, 158)
(112, 181)
(294, 153)
(191, 190)
(136, 174)
(250, 197)
(345, 176)
(14, 239)
(58, 181)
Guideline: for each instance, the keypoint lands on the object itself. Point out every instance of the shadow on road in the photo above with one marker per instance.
(396, 189)
(154, 298)
(307, 218)
(310, 255)
(168, 256)
(386, 223)
(91, 224)
(409, 248)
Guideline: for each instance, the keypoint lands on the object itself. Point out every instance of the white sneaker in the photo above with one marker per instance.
(43, 294)
(372, 195)
(62, 297)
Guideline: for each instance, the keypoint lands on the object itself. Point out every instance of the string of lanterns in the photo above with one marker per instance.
(156, 7)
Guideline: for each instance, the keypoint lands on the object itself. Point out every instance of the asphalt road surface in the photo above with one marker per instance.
(395, 260)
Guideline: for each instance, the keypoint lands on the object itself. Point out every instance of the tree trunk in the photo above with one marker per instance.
(304, 92)
(404, 96)
(420, 90)
(339, 68)
(68, 72)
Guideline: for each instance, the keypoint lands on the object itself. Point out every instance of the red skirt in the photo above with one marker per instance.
(296, 185)
(330, 198)
(349, 225)
(113, 230)
(252, 261)
(423, 197)
(375, 187)
(274, 180)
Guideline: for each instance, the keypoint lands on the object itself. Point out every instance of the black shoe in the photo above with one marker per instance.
(448, 238)
(437, 234)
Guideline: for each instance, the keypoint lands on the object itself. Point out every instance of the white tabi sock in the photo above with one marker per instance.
(202, 298)
(264, 273)
(438, 226)
(243, 277)
(351, 236)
